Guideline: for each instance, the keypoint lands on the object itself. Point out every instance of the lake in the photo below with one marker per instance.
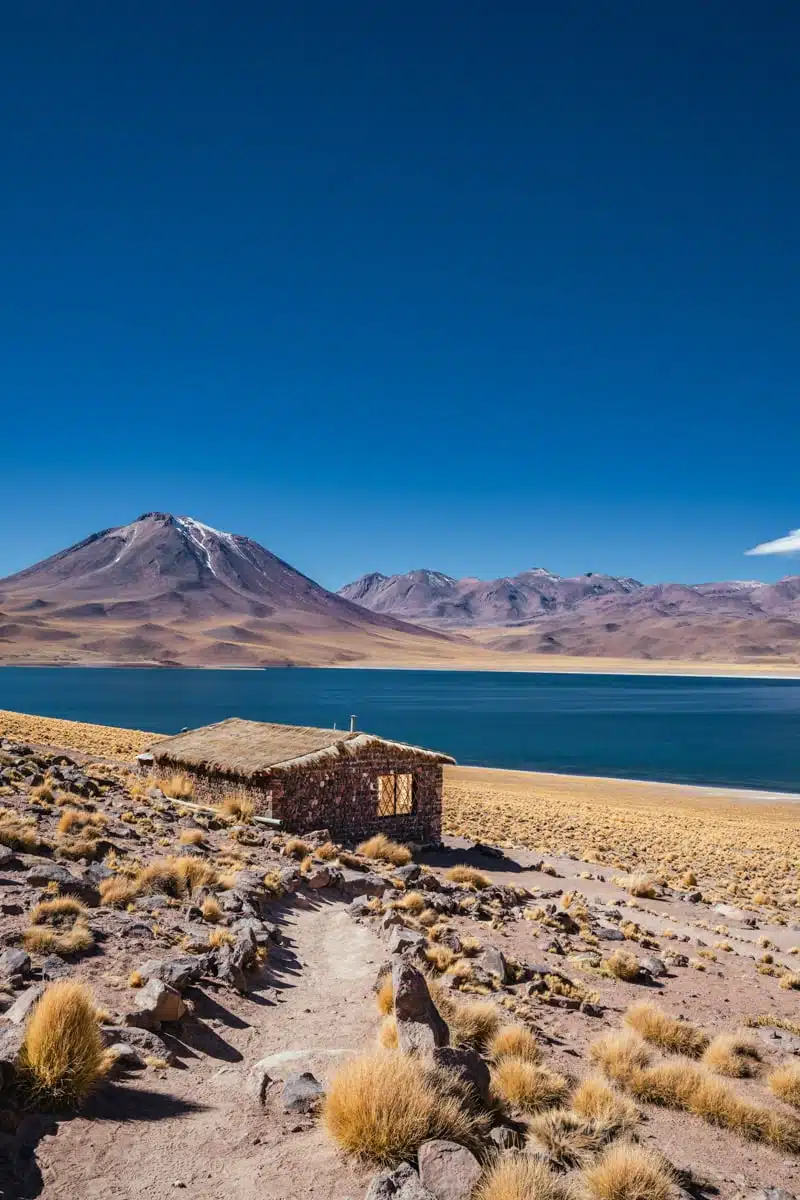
(728, 732)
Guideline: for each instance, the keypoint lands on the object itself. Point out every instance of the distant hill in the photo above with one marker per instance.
(172, 589)
(538, 612)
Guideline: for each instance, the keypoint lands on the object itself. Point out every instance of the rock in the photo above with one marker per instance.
(6, 856)
(607, 933)
(24, 1004)
(43, 874)
(678, 960)
(402, 939)
(95, 873)
(408, 874)
(693, 897)
(564, 921)
(590, 1009)
(11, 1039)
(506, 1138)
(178, 973)
(302, 1093)
(492, 961)
(15, 964)
(447, 1170)
(403, 1183)
(143, 1039)
(126, 1058)
(420, 1026)
(160, 1002)
(468, 1065)
(228, 970)
(318, 877)
(358, 883)
(290, 879)
(261, 932)
(257, 1081)
(391, 920)
(773, 1193)
(654, 966)
(359, 907)
(54, 967)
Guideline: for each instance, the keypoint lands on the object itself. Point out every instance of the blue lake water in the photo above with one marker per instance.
(729, 732)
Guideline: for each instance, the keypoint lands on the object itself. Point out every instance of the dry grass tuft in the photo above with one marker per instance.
(18, 834)
(44, 939)
(468, 875)
(474, 1022)
(64, 910)
(784, 1083)
(238, 807)
(790, 981)
(191, 837)
(597, 1101)
(297, 848)
(118, 892)
(175, 876)
(643, 886)
(387, 1034)
(622, 965)
(385, 997)
(412, 902)
(326, 851)
(89, 823)
(62, 1055)
(221, 937)
(664, 1031)
(620, 1055)
(136, 979)
(520, 1177)
(178, 787)
(733, 1054)
(211, 909)
(515, 1041)
(629, 1172)
(381, 1108)
(524, 1086)
(43, 793)
(566, 1138)
(384, 849)
(440, 957)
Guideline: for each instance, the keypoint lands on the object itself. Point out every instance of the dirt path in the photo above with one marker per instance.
(195, 1129)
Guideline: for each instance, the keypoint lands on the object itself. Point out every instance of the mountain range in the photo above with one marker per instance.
(171, 590)
(540, 612)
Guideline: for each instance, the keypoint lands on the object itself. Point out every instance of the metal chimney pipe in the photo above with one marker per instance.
(352, 722)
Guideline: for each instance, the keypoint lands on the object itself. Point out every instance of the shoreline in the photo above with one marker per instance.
(124, 744)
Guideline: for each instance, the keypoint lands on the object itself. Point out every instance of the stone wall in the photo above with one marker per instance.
(339, 794)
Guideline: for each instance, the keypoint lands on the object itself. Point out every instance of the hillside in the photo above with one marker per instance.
(167, 589)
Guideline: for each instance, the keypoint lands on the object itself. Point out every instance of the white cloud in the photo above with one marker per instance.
(784, 545)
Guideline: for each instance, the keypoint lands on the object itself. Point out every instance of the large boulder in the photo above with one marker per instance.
(420, 1026)
(401, 940)
(492, 960)
(178, 973)
(447, 1170)
(144, 1040)
(15, 965)
(468, 1066)
(358, 883)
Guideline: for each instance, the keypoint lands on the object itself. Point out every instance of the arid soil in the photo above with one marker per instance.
(712, 934)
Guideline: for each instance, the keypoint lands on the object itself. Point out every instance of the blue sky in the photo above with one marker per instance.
(463, 285)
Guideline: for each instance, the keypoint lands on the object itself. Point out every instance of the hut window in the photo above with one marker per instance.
(395, 795)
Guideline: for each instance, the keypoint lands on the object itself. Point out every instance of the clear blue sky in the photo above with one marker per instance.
(462, 285)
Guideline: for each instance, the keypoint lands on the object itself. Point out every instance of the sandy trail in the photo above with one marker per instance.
(194, 1129)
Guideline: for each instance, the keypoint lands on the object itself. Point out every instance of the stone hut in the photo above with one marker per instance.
(354, 784)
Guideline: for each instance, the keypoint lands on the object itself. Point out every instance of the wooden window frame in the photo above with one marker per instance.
(389, 792)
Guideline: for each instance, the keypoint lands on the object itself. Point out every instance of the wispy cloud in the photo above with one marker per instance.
(783, 545)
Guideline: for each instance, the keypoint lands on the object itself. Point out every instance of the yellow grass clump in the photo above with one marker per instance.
(412, 902)
(514, 1041)
(381, 1107)
(383, 849)
(221, 937)
(784, 1082)
(385, 996)
(733, 1054)
(175, 876)
(643, 886)
(191, 837)
(597, 1101)
(296, 848)
(566, 1138)
(17, 833)
(62, 1055)
(64, 910)
(89, 823)
(529, 1088)
(178, 787)
(620, 1054)
(664, 1031)
(211, 909)
(44, 939)
(118, 891)
(790, 981)
(238, 807)
(468, 875)
(629, 1172)
(622, 965)
(326, 851)
(520, 1177)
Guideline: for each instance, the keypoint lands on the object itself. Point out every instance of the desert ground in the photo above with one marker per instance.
(619, 960)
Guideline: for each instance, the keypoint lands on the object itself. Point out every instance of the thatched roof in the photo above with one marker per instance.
(247, 748)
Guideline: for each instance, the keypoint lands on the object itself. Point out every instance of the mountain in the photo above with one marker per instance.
(172, 589)
(590, 615)
(429, 596)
